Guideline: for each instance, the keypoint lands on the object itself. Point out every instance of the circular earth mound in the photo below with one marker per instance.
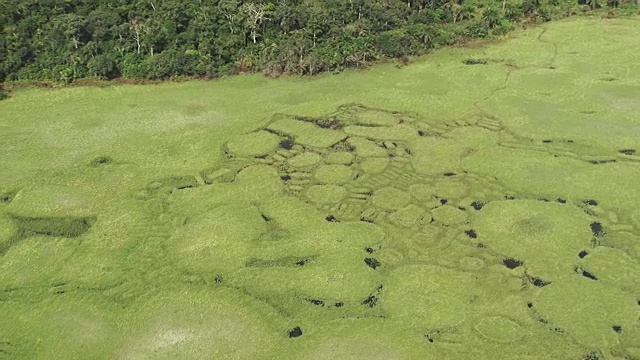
(340, 158)
(426, 296)
(218, 241)
(450, 189)
(423, 192)
(546, 236)
(449, 215)
(202, 324)
(499, 329)
(52, 201)
(374, 165)
(305, 159)
(258, 143)
(334, 174)
(590, 311)
(409, 216)
(326, 194)
(391, 198)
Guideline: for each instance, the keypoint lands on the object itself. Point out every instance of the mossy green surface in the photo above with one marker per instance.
(253, 144)
(333, 174)
(437, 211)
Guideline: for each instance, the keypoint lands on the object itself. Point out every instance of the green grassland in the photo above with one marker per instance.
(439, 210)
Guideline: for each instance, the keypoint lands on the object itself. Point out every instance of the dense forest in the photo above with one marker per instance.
(66, 40)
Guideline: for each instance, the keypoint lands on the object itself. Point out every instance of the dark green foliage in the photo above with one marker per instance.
(63, 226)
(65, 40)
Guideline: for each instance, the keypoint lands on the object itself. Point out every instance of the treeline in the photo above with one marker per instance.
(65, 40)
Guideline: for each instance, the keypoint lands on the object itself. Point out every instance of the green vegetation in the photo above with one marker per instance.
(67, 40)
(479, 203)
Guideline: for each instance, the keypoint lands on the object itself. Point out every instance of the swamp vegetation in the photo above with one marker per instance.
(481, 203)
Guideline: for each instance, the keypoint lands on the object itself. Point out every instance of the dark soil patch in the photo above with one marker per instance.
(372, 263)
(561, 200)
(582, 254)
(588, 275)
(330, 123)
(7, 197)
(471, 233)
(343, 146)
(596, 229)
(179, 182)
(295, 332)
(101, 160)
(537, 282)
(286, 144)
(477, 205)
(511, 263)
(430, 339)
(627, 151)
(617, 328)
(591, 202)
(331, 218)
(371, 301)
(592, 356)
(475, 62)
(316, 302)
(598, 162)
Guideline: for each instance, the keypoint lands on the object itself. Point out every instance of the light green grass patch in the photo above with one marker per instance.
(253, 144)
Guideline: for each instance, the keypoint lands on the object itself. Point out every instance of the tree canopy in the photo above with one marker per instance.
(66, 40)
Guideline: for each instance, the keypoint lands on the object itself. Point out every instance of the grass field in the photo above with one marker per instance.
(434, 211)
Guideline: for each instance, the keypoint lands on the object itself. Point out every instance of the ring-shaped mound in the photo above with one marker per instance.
(499, 329)
(422, 192)
(374, 165)
(450, 189)
(202, 324)
(52, 201)
(426, 296)
(546, 236)
(449, 215)
(408, 216)
(326, 194)
(391, 198)
(334, 174)
(305, 159)
(340, 158)
(587, 310)
(218, 241)
(257, 143)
